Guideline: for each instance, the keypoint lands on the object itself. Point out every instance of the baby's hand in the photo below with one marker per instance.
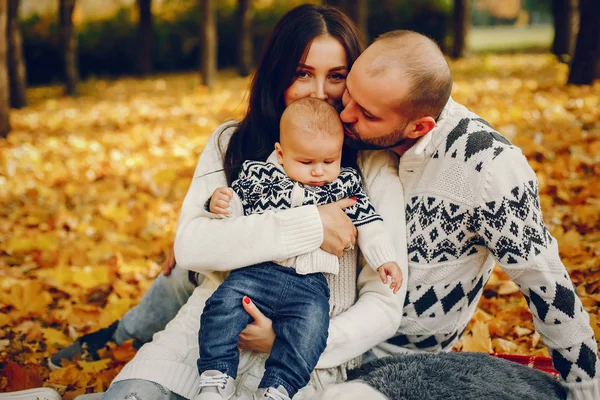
(391, 269)
(219, 202)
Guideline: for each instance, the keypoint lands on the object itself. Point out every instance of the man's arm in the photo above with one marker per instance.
(510, 221)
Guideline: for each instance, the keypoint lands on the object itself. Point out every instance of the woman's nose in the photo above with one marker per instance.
(319, 90)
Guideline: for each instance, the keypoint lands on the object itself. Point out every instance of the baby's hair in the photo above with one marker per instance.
(312, 115)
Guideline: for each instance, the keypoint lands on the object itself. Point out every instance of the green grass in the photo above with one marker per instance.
(509, 38)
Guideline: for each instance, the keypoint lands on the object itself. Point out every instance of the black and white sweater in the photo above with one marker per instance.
(472, 200)
(264, 186)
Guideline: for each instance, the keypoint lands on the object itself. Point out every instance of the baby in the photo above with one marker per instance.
(304, 169)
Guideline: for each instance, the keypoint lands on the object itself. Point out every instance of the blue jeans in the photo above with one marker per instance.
(298, 305)
(158, 306)
(139, 389)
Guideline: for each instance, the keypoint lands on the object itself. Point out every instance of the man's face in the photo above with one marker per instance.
(371, 117)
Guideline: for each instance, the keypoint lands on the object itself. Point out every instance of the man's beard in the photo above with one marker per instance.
(385, 142)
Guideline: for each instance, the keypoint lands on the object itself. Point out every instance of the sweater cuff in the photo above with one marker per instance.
(376, 256)
(588, 389)
(302, 229)
(317, 261)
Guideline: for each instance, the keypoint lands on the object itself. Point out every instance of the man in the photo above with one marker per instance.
(471, 200)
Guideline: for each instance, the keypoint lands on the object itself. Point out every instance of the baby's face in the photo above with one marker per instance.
(311, 158)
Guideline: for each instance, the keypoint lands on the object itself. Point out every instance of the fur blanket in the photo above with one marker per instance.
(454, 376)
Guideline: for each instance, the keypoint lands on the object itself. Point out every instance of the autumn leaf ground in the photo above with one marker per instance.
(90, 190)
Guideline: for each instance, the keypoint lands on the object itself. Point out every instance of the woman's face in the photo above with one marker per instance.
(322, 75)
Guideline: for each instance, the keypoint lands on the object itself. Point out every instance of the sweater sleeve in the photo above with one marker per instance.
(204, 244)
(376, 315)
(509, 220)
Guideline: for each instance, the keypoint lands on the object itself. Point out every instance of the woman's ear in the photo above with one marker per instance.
(421, 127)
(279, 152)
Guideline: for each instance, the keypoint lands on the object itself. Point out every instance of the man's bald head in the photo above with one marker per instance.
(418, 61)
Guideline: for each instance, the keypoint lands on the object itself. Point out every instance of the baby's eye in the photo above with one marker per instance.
(306, 162)
(328, 161)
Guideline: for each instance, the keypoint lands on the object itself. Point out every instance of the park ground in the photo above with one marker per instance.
(90, 190)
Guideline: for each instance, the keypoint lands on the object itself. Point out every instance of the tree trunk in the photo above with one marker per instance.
(358, 10)
(244, 15)
(566, 19)
(68, 42)
(4, 89)
(17, 75)
(208, 43)
(586, 62)
(341, 4)
(145, 35)
(461, 18)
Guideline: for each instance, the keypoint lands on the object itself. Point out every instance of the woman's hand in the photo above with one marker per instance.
(339, 232)
(169, 263)
(259, 335)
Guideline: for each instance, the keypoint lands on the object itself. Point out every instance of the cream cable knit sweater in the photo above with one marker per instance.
(203, 244)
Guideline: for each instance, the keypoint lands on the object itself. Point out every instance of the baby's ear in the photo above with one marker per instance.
(279, 152)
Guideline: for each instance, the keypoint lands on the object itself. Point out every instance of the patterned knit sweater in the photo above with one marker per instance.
(472, 199)
(264, 186)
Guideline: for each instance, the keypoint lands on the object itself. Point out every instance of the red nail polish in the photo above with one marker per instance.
(246, 299)
(353, 198)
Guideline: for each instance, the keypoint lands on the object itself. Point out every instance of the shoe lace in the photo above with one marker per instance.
(214, 381)
(275, 394)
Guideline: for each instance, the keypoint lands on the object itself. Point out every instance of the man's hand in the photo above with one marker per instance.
(169, 263)
(219, 202)
(392, 270)
(259, 335)
(339, 232)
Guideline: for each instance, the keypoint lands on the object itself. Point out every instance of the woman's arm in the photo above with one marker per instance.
(377, 313)
(204, 244)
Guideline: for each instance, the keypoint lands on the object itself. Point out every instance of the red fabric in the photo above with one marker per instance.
(535, 362)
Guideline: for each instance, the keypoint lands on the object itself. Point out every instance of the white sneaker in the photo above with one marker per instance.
(215, 385)
(31, 394)
(272, 394)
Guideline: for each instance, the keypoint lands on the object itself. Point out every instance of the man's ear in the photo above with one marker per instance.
(420, 127)
(279, 152)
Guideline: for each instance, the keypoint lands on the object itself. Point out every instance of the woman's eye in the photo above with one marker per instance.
(338, 77)
(301, 74)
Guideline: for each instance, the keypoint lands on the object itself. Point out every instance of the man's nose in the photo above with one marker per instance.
(346, 115)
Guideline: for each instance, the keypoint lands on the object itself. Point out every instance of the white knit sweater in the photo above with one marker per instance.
(205, 244)
(472, 199)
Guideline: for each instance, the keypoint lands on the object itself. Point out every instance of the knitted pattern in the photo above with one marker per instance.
(262, 186)
(471, 198)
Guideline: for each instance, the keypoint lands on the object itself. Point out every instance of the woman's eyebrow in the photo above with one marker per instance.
(340, 68)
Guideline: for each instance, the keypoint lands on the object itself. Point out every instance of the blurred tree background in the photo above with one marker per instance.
(112, 101)
(124, 37)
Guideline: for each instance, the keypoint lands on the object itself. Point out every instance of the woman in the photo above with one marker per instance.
(308, 54)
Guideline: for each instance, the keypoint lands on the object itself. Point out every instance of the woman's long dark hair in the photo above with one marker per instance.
(286, 47)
